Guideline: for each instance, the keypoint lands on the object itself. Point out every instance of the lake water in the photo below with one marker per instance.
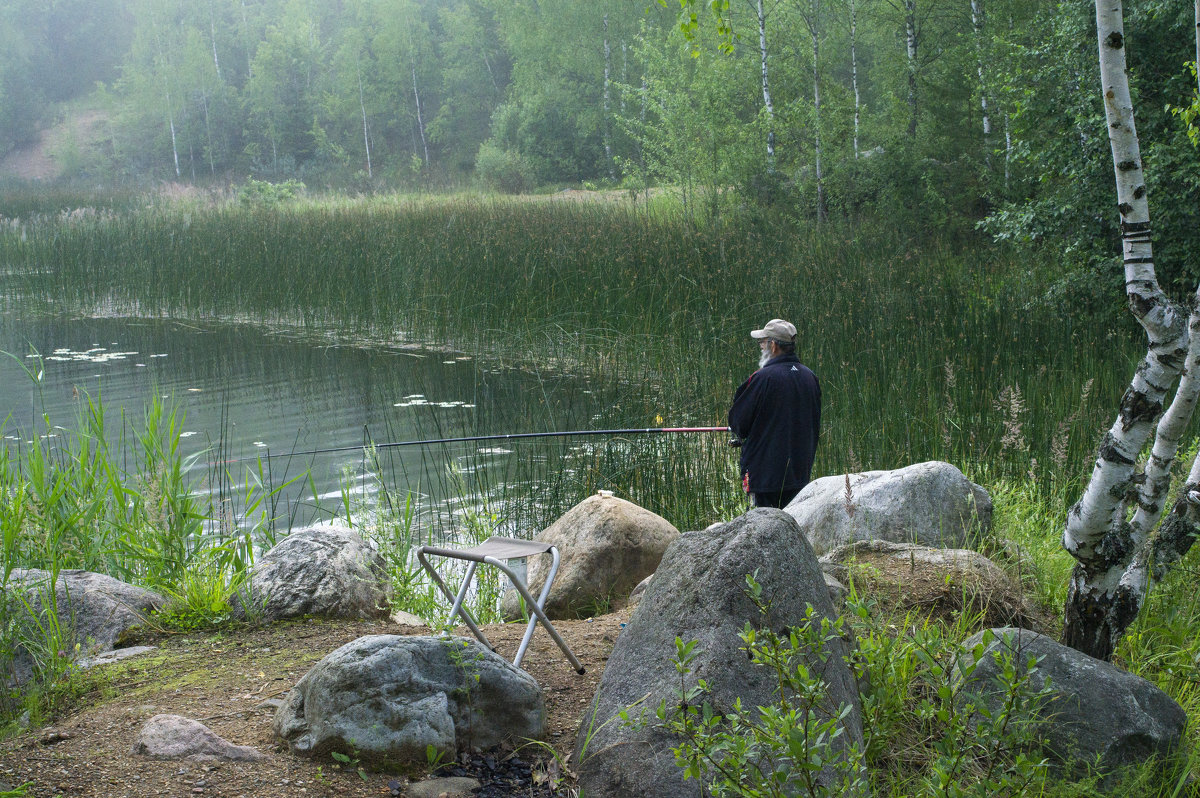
(247, 392)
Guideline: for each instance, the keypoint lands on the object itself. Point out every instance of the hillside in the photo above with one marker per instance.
(60, 149)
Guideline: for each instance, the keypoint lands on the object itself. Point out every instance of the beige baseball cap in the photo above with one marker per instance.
(776, 329)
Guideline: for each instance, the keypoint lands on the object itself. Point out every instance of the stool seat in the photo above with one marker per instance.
(494, 551)
(498, 547)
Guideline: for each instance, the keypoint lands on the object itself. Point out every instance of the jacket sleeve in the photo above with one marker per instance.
(745, 402)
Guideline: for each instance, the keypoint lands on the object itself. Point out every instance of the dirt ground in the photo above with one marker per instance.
(42, 159)
(221, 679)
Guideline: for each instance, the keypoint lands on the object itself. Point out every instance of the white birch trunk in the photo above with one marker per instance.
(910, 42)
(246, 42)
(977, 23)
(1113, 555)
(766, 86)
(420, 119)
(854, 70)
(212, 167)
(212, 29)
(1007, 152)
(165, 66)
(171, 125)
(363, 108)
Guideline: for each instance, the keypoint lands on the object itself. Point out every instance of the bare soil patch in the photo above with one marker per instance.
(222, 680)
(43, 159)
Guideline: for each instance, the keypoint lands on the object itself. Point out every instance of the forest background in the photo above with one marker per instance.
(928, 183)
(941, 113)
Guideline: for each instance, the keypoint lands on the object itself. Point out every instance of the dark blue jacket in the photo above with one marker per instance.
(777, 414)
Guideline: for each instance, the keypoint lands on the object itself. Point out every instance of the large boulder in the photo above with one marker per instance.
(931, 504)
(607, 545)
(386, 698)
(322, 570)
(938, 582)
(699, 593)
(95, 612)
(1096, 714)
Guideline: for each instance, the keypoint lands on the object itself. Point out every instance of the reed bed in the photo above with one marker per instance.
(926, 348)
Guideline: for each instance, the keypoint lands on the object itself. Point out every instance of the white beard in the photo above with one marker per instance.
(763, 358)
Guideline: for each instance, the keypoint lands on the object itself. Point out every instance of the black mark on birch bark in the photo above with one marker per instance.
(1136, 407)
(1115, 40)
(1110, 452)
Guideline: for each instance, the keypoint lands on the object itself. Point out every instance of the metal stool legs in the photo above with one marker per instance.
(484, 554)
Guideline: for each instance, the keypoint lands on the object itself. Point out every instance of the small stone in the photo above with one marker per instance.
(453, 787)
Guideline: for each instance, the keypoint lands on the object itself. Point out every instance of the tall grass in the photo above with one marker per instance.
(115, 499)
(926, 349)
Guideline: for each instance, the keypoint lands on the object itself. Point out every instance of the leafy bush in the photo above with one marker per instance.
(924, 734)
(505, 171)
(262, 192)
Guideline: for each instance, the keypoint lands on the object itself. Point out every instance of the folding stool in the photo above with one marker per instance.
(494, 551)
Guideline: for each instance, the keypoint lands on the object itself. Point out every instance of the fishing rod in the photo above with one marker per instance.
(504, 437)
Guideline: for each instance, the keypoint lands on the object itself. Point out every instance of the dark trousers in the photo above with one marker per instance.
(779, 499)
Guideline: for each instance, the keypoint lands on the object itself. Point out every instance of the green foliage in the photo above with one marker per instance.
(350, 761)
(262, 192)
(117, 502)
(503, 170)
(201, 597)
(794, 746)
(391, 524)
(635, 300)
(1189, 115)
(925, 731)
(1062, 188)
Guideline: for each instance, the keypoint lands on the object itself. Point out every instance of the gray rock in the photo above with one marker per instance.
(385, 698)
(607, 545)
(698, 593)
(116, 655)
(453, 787)
(1097, 712)
(837, 591)
(636, 594)
(402, 618)
(96, 611)
(944, 582)
(325, 570)
(175, 737)
(931, 504)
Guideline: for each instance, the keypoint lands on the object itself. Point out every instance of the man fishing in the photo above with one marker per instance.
(776, 419)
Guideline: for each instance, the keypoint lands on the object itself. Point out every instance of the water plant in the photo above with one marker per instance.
(644, 301)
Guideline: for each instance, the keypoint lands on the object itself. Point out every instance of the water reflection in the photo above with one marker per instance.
(246, 393)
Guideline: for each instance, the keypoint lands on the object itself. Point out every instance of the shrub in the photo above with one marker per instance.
(503, 170)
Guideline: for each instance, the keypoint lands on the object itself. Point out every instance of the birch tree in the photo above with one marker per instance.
(768, 105)
(977, 25)
(854, 71)
(812, 19)
(1116, 532)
